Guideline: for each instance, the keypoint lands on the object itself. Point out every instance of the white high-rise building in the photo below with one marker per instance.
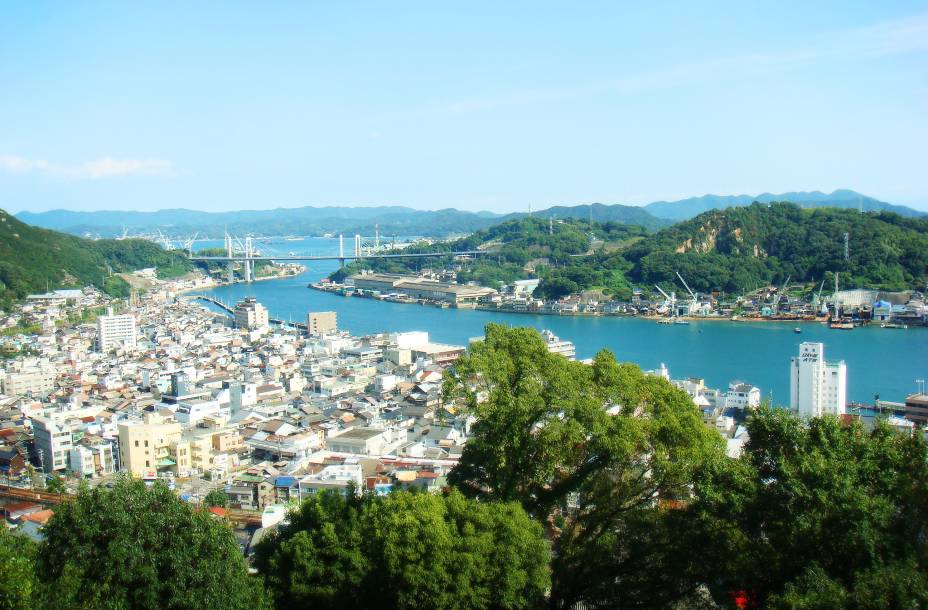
(115, 331)
(817, 387)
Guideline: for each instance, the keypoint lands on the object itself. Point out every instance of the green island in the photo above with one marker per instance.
(731, 251)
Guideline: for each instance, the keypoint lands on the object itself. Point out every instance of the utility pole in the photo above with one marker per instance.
(847, 244)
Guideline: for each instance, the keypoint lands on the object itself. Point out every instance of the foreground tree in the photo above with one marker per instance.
(820, 515)
(405, 550)
(139, 547)
(17, 565)
(603, 452)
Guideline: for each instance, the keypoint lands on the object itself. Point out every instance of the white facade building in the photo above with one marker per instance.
(115, 331)
(817, 387)
(742, 396)
(53, 443)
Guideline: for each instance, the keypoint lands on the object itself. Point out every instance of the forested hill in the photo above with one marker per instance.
(739, 248)
(33, 259)
(520, 248)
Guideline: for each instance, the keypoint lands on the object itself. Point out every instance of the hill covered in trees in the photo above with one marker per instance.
(34, 259)
(732, 250)
(740, 248)
(520, 248)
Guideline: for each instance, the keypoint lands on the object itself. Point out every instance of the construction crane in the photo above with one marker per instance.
(671, 300)
(779, 294)
(695, 301)
(817, 302)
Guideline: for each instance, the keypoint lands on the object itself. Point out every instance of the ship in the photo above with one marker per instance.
(556, 345)
(841, 325)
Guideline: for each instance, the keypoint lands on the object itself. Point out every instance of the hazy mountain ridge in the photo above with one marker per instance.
(402, 220)
(685, 209)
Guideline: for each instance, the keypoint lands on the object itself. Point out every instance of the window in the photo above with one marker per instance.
(146, 443)
(147, 464)
(136, 443)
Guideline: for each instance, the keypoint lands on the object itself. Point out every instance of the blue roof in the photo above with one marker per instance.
(882, 304)
(284, 481)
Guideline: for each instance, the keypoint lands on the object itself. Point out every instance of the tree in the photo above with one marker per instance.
(820, 510)
(405, 550)
(54, 484)
(600, 450)
(17, 577)
(139, 547)
(216, 497)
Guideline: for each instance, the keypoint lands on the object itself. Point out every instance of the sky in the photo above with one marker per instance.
(478, 106)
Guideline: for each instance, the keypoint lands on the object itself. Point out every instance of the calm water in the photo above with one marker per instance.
(880, 361)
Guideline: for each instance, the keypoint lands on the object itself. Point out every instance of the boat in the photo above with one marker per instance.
(841, 325)
(556, 345)
(893, 325)
(680, 321)
(797, 330)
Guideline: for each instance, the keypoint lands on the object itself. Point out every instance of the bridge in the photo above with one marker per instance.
(244, 251)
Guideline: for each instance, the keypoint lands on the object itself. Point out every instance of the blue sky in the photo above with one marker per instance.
(485, 106)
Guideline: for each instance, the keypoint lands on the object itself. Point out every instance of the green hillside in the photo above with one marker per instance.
(526, 247)
(33, 259)
(731, 250)
(739, 248)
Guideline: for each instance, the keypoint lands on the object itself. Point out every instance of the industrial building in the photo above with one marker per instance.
(419, 288)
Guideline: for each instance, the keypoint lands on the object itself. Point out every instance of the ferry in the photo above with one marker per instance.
(556, 345)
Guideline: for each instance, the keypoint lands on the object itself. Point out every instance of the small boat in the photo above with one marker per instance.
(681, 321)
(841, 326)
(893, 325)
(797, 330)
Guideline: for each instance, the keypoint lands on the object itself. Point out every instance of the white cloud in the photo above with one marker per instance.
(91, 170)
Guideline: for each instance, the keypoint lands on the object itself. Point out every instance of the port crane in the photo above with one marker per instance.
(671, 301)
(817, 301)
(779, 295)
(694, 303)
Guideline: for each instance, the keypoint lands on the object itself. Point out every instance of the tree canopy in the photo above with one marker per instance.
(590, 449)
(139, 547)
(820, 514)
(405, 550)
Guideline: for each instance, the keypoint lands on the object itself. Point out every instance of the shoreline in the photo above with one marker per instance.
(739, 319)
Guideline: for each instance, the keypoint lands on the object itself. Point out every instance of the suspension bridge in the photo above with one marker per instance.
(245, 252)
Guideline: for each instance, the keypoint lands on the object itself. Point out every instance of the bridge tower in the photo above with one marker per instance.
(231, 266)
(357, 246)
(341, 249)
(248, 262)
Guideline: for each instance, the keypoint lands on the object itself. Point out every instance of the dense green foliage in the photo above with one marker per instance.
(140, 547)
(649, 510)
(17, 571)
(514, 248)
(590, 448)
(216, 497)
(405, 550)
(741, 248)
(820, 516)
(734, 250)
(33, 259)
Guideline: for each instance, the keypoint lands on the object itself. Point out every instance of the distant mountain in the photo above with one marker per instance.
(685, 209)
(33, 259)
(390, 220)
(306, 220)
(624, 214)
